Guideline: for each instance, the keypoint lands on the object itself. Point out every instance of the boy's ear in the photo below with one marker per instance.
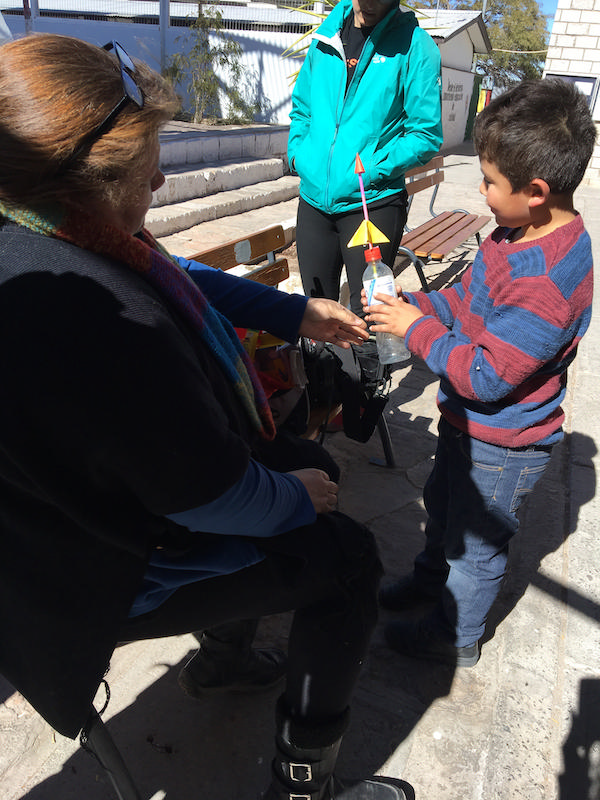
(539, 191)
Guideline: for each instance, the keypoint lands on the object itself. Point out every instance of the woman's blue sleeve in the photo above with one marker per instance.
(262, 503)
(249, 304)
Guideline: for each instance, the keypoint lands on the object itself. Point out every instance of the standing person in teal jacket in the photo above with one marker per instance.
(370, 84)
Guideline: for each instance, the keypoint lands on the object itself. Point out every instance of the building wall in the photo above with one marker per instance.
(574, 52)
(457, 52)
(457, 88)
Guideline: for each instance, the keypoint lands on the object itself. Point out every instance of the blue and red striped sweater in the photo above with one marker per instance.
(502, 339)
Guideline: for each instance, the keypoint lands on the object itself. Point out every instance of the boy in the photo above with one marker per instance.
(501, 342)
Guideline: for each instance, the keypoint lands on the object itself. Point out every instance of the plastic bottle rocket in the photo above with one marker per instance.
(378, 278)
(366, 233)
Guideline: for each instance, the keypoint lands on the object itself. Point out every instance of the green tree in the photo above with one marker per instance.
(195, 68)
(517, 31)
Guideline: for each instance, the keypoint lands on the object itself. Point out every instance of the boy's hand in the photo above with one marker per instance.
(328, 321)
(392, 315)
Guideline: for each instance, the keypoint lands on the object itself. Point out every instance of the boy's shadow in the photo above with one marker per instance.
(393, 692)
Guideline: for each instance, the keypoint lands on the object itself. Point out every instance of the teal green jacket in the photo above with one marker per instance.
(390, 115)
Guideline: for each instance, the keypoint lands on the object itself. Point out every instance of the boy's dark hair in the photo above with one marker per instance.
(538, 129)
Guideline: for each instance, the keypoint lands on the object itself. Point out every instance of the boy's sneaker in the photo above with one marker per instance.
(422, 640)
(406, 594)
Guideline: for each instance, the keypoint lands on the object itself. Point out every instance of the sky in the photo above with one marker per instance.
(548, 7)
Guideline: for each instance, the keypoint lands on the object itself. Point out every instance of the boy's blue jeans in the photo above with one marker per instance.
(472, 497)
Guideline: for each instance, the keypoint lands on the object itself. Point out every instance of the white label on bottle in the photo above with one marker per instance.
(383, 285)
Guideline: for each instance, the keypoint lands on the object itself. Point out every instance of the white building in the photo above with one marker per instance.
(574, 54)
(459, 35)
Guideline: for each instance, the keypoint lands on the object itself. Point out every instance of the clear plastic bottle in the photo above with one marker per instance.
(379, 278)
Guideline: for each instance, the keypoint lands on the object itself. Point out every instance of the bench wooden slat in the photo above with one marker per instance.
(270, 274)
(437, 243)
(437, 162)
(471, 225)
(423, 233)
(243, 250)
(439, 236)
(417, 185)
(442, 233)
(246, 251)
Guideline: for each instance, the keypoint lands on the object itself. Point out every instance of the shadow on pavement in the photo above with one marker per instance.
(581, 751)
(220, 748)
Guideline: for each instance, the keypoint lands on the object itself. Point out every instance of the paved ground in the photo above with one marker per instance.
(523, 724)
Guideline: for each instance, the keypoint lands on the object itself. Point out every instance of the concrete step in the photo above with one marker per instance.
(187, 143)
(219, 231)
(216, 171)
(200, 180)
(165, 220)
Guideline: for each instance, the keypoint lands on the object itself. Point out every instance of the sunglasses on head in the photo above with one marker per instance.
(131, 93)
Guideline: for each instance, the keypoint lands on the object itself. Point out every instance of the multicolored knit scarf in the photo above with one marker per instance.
(144, 255)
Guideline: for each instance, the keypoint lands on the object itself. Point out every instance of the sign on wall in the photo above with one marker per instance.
(457, 88)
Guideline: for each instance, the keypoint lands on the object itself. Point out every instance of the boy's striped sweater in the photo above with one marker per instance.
(502, 339)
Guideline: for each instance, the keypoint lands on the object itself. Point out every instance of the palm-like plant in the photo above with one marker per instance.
(300, 46)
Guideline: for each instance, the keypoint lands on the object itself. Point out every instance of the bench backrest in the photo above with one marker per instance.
(423, 177)
(249, 251)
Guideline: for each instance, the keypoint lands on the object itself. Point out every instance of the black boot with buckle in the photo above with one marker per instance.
(226, 661)
(305, 760)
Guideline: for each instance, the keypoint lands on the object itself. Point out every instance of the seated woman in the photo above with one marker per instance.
(134, 501)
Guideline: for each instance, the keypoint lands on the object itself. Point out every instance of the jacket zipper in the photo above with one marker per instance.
(335, 43)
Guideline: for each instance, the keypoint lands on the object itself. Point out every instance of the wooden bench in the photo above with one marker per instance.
(245, 256)
(444, 232)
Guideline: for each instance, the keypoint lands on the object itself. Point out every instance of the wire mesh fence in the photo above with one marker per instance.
(155, 31)
(282, 15)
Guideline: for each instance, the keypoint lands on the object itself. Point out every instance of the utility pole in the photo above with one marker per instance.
(164, 20)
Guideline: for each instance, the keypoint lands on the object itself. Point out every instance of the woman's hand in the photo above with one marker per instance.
(321, 490)
(328, 321)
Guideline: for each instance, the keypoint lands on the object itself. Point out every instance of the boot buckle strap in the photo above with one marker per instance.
(301, 773)
(300, 797)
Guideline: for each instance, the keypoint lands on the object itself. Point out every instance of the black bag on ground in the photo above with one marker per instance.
(353, 378)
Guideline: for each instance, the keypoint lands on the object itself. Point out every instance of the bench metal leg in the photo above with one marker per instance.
(96, 738)
(386, 441)
(417, 264)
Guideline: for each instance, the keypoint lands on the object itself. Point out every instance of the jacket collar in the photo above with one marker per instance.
(328, 31)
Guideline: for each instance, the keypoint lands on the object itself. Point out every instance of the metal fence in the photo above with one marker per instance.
(154, 30)
(236, 16)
